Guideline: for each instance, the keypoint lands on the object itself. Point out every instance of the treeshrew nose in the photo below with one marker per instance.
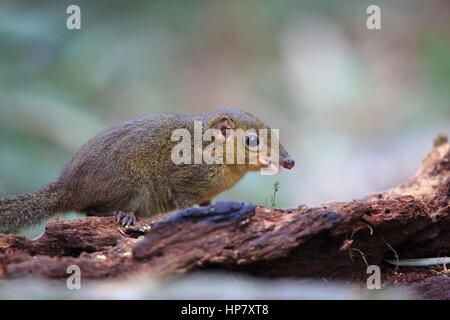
(288, 163)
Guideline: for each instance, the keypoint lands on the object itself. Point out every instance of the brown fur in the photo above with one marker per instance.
(128, 168)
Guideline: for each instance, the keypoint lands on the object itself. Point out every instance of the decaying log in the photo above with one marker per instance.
(335, 241)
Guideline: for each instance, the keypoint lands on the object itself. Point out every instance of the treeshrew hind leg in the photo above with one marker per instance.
(124, 219)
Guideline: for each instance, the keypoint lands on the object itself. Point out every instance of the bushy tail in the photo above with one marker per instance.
(24, 210)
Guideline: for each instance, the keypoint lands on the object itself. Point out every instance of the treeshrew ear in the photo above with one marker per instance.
(222, 124)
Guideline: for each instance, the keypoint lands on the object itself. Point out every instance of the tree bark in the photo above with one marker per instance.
(335, 241)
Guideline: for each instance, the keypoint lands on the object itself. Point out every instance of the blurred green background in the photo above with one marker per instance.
(356, 108)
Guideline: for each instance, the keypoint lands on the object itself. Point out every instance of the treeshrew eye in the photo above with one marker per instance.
(252, 141)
